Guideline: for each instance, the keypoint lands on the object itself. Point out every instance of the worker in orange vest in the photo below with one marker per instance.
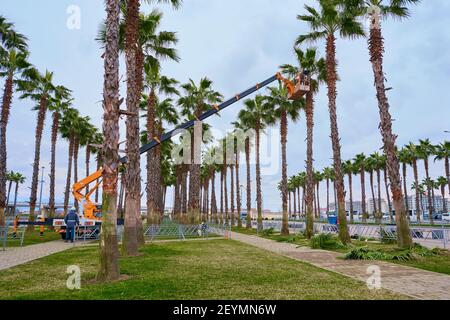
(41, 227)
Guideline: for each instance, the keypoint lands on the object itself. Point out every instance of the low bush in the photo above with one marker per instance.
(326, 241)
(267, 232)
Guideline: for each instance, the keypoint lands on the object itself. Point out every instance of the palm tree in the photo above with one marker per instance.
(309, 62)
(318, 177)
(58, 106)
(405, 158)
(164, 110)
(40, 89)
(414, 154)
(328, 174)
(254, 117)
(242, 126)
(443, 153)
(238, 148)
(9, 180)
(197, 99)
(156, 84)
(18, 179)
(370, 166)
(280, 108)
(425, 150)
(109, 252)
(379, 163)
(377, 9)
(324, 25)
(13, 65)
(441, 183)
(67, 125)
(350, 169)
(360, 163)
(383, 166)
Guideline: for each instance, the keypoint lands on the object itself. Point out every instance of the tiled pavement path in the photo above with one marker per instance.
(417, 283)
(15, 256)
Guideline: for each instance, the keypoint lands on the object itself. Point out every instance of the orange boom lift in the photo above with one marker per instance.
(296, 90)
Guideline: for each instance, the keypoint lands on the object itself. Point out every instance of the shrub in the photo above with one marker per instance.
(326, 241)
(364, 253)
(386, 237)
(267, 232)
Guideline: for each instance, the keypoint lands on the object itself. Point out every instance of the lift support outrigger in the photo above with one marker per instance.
(296, 89)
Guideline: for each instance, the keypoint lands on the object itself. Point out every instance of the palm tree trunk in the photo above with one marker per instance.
(54, 138)
(120, 208)
(363, 194)
(7, 197)
(339, 181)
(388, 196)
(238, 193)
(232, 208)
(16, 191)
(350, 186)
(37, 157)
(87, 163)
(76, 147)
(99, 165)
(184, 191)
(416, 183)
(294, 195)
(177, 192)
(447, 172)
(328, 195)
(443, 199)
(379, 193)
(405, 187)
(258, 178)
(6, 106)
(213, 198)
(221, 197)
(248, 224)
(194, 178)
(151, 187)
(69, 175)
(318, 199)
(376, 50)
(109, 251)
(284, 191)
(429, 198)
(225, 194)
(374, 201)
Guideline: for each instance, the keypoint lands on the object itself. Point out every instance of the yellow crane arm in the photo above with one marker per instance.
(89, 207)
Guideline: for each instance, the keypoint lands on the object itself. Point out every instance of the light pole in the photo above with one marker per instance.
(40, 192)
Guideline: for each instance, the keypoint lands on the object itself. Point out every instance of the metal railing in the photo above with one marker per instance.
(183, 232)
(8, 235)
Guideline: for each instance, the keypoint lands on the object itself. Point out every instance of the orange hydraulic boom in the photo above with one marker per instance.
(296, 90)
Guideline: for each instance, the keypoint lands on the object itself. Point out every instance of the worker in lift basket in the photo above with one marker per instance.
(71, 221)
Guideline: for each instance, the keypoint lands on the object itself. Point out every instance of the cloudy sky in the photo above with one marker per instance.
(238, 43)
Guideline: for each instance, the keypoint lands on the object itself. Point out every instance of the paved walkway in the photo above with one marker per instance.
(15, 256)
(417, 283)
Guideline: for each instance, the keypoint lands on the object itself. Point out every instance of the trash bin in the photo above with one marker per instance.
(332, 220)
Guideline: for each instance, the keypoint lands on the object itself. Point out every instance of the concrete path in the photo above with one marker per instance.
(416, 283)
(15, 256)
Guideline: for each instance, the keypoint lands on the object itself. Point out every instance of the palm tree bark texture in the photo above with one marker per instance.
(376, 57)
(309, 165)
(109, 252)
(332, 93)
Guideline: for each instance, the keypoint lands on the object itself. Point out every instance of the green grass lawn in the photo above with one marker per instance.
(214, 269)
(33, 237)
(438, 263)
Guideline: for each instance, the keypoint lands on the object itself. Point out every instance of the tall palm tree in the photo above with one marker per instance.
(376, 9)
(370, 166)
(360, 163)
(443, 153)
(280, 108)
(156, 84)
(242, 125)
(255, 117)
(379, 163)
(324, 25)
(40, 89)
(425, 150)
(18, 179)
(197, 99)
(318, 178)
(442, 182)
(67, 125)
(328, 174)
(309, 62)
(58, 106)
(164, 111)
(405, 158)
(109, 251)
(350, 169)
(383, 167)
(414, 154)
(13, 65)
(9, 181)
